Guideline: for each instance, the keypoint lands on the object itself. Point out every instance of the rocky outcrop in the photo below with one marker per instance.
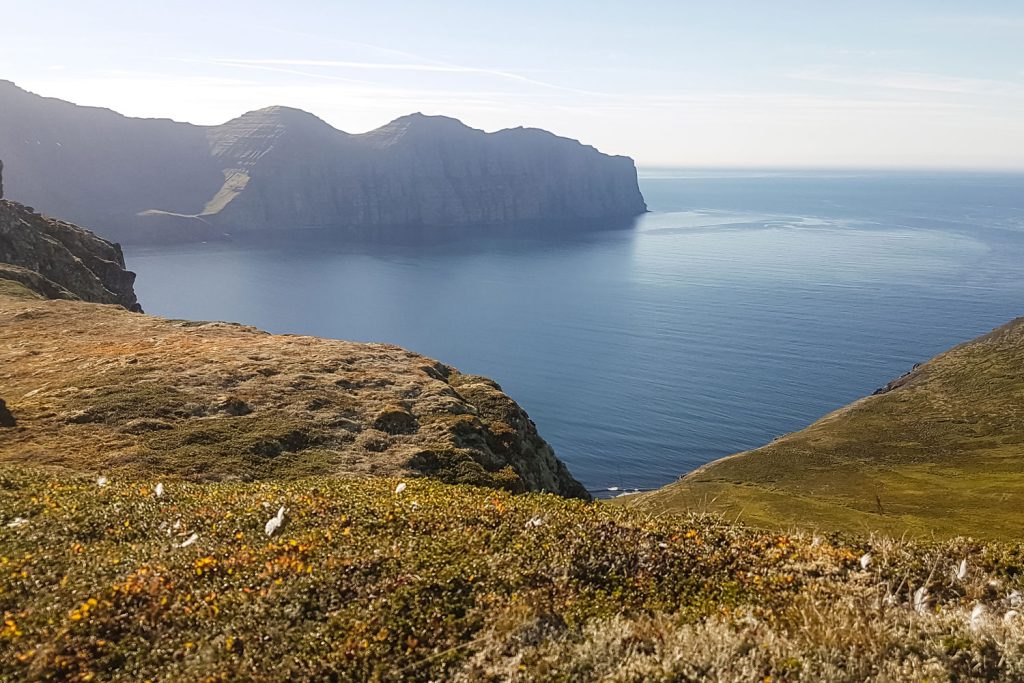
(6, 419)
(280, 168)
(201, 400)
(59, 260)
(37, 285)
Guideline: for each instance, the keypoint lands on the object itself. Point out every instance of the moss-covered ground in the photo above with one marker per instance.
(112, 582)
(16, 290)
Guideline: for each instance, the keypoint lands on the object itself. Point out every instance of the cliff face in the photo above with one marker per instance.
(133, 393)
(280, 168)
(60, 260)
(415, 171)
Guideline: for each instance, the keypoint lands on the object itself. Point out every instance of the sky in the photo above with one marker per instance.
(741, 83)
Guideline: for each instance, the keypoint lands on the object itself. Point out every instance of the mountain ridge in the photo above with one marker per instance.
(279, 168)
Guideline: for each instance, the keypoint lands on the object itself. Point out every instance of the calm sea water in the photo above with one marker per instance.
(745, 306)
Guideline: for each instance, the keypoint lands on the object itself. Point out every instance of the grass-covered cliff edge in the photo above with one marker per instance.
(939, 451)
(99, 389)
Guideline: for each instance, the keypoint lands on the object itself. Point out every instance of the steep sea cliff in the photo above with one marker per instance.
(145, 180)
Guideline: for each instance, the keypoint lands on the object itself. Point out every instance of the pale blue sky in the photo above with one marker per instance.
(744, 83)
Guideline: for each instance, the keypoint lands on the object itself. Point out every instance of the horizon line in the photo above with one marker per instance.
(861, 168)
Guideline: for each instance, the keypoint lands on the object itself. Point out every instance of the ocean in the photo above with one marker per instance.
(745, 305)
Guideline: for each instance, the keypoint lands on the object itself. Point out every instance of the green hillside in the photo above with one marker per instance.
(940, 452)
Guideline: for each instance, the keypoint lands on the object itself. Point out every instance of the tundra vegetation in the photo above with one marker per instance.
(367, 579)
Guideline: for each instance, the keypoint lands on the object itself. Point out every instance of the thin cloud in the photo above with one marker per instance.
(915, 81)
(434, 67)
(415, 62)
(985, 21)
(241, 64)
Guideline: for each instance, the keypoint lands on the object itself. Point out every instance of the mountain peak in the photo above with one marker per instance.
(281, 116)
(426, 123)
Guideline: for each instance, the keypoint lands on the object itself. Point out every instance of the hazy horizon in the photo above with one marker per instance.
(918, 85)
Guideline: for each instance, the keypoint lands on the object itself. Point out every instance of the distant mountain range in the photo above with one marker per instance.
(142, 180)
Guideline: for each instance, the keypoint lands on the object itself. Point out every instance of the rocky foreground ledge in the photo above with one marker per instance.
(100, 389)
(58, 260)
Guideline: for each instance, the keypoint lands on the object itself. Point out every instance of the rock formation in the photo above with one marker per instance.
(280, 168)
(58, 260)
(6, 419)
(200, 400)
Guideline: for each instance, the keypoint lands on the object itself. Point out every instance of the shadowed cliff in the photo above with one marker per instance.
(57, 260)
(139, 180)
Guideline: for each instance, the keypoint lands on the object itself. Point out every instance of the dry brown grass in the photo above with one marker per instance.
(850, 642)
(868, 625)
(96, 388)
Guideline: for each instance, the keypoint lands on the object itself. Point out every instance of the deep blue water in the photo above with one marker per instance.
(745, 306)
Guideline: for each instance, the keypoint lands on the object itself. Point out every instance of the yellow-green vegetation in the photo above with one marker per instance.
(940, 452)
(366, 580)
(16, 290)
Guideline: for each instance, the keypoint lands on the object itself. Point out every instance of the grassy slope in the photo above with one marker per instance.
(455, 582)
(941, 453)
(143, 395)
(16, 290)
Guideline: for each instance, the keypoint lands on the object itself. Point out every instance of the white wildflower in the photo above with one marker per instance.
(921, 600)
(400, 488)
(102, 481)
(977, 616)
(159, 491)
(865, 560)
(534, 522)
(274, 522)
